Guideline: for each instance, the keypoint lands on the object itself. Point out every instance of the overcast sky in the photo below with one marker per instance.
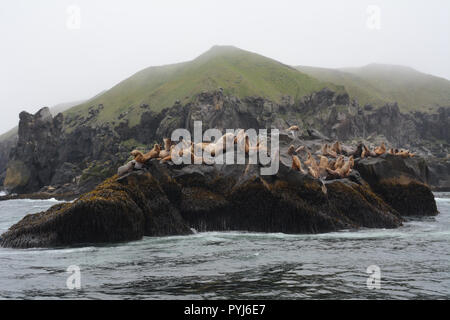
(51, 54)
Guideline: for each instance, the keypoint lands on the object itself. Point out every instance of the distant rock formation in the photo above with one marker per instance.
(35, 157)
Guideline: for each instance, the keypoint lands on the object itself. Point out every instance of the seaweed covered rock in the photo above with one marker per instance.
(237, 197)
(167, 199)
(113, 212)
(401, 183)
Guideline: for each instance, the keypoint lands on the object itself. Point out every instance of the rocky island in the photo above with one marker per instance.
(165, 199)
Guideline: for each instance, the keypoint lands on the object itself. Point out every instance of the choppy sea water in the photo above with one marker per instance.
(414, 261)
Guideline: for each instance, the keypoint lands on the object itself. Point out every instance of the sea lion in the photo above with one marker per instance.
(167, 145)
(154, 153)
(358, 152)
(239, 135)
(323, 165)
(323, 162)
(221, 144)
(291, 150)
(405, 154)
(242, 141)
(339, 162)
(297, 165)
(259, 146)
(326, 151)
(380, 150)
(143, 158)
(332, 174)
(138, 156)
(337, 147)
(331, 153)
(311, 161)
(351, 160)
(367, 153)
(332, 164)
(293, 130)
(313, 172)
(323, 149)
(345, 169)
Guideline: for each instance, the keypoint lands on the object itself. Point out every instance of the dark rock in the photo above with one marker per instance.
(400, 182)
(164, 199)
(113, 212)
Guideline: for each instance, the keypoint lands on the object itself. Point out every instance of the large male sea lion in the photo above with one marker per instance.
(143, 158)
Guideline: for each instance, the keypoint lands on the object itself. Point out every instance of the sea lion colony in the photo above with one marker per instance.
(189, 148)
(334, 162)
(337, 161)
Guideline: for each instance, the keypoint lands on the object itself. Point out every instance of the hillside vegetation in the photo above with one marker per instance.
(238, 72)
(378, 84)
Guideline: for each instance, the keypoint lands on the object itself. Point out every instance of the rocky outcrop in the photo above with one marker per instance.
(35, 157)
(46, 155)
(6, 144)
(113, 212)
(78, 159)
(439, 173)
(168, 199)
(400, 182)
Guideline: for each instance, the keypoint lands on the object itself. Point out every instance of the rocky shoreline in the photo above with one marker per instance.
(166, 199)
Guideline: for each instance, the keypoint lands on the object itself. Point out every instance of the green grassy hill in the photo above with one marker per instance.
(377, 84)
(238, 72)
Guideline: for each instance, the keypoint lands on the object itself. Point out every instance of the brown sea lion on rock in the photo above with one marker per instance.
(337, 147)
(405, 154)
(339, 162)
(311, 161)
(367, 153)
(343, 171)
(323, 165)
(380, 150)
(143, 158)
(291, 150)
(167, 145)
(297, 165)
(326, 151)
(313, 172)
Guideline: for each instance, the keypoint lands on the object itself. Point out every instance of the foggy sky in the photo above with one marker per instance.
(46, 60)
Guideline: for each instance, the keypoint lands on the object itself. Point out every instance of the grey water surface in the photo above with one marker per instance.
(414, 261)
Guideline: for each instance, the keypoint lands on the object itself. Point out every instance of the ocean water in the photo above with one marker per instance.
(414, 263)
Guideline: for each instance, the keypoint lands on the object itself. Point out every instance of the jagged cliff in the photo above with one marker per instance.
(49, 158)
